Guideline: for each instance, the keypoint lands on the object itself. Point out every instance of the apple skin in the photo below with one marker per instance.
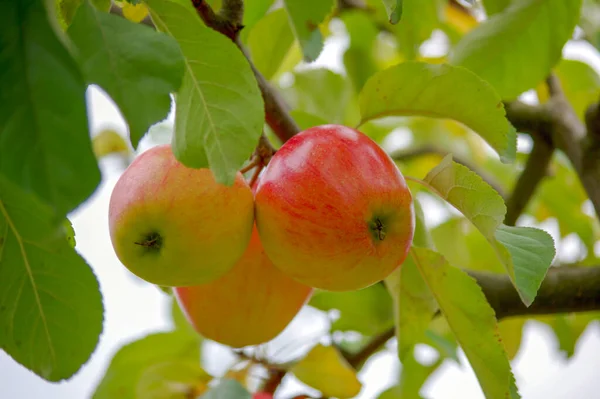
(176, 226)
(250, 305)
(333, 211)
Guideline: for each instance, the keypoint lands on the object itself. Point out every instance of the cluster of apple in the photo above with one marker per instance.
(330, 211)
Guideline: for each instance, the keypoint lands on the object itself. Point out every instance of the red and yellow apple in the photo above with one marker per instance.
(250, 305)
(176, 226)
(333, 211)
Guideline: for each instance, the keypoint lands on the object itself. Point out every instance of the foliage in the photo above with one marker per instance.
(51, 310)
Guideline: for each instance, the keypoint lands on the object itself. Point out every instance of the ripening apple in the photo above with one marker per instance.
(333, 211)
(250, 305)
(176, 226)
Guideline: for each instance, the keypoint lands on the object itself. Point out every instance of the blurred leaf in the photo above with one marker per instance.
(269, 42)
(444, 341)
(419, 20)
(306, 120)
(511, 331)
(323, 93)
(131, 361)
(227, 389)
(180, 322)
(459, 18)
(394, 10)
(220, 112)
(358, 58)
(135, 13)
(367, 311)
(123, 58)
(498, 49)
(464, 246)
(495, 6)
(416, 88)
(471, 319)
(108, 142)
(50, 304)
(326, 370)
(305, 17)
(45, 145)
(414, 305)
(412, 378)
(66, 9)
(254, 11)
(568, 328)
(172, 379)
(525, 252)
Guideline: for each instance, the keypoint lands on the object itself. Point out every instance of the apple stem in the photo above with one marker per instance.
(151, 241)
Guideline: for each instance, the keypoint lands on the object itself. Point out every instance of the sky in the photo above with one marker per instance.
(135, 309)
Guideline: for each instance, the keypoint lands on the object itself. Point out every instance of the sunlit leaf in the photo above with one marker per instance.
(471, 319)
(511, 331)
(50, 305)
(525, 252)
(45, 146)
(172, 379)
(220, 112)
(269, 42)
(412, 377)
(498, 49)
(367, 311)
(131, 362)
(393, 9)
(135, 13)
(416, 88)
(326, 370)
(358, 58)
(305, 17)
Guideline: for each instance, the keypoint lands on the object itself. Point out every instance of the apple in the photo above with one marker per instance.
(176, 226)
(333, 211)
(250, 305)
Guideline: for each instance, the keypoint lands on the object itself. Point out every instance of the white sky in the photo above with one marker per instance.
(134, 309)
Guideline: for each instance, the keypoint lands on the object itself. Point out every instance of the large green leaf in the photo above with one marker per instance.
(471, 319)
(443, 91)
(367, 311)
(220, 112)
(131, 362)
(50, 304)
(270, 41)
(227, 389)
(44, 140)
(528, 33)
(525, 252)
(137, 66)
(305, 17)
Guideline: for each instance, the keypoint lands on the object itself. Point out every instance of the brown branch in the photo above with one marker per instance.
(220, 22)
(407, 154)
(535, 170)
(357, 359)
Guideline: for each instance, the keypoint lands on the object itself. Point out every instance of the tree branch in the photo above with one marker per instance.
(535, 170)
(564, 290)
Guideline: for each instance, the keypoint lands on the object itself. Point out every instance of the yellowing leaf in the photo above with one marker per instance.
(109, 142)
(135, 13)
(511, 331)
(325, 369)
(471, 319)
(441, 91)
(461, 20)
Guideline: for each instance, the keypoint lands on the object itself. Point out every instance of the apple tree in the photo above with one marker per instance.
(447, 88)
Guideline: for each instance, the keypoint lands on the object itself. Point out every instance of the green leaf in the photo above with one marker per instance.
(227, 389)
(220, 112)
(66, 9)
(393, 9)
(50, 304)
(525, 252)
(44, 141)
(412, 378)
(69, 233)
(137, 66)
(173, 379)
(367, 311)
(580, 82)
(498, 49)
(417, 88)
(305, 17)
(132, 360)
(270, 41)
(471, 319)
(180, 322)
(414, 305)
(495, 6)
(358, 58)
(254, 11)
(419, 20)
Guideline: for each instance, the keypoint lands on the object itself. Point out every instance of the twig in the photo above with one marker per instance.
(358, 358)
(535, 170)
(219, 22)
